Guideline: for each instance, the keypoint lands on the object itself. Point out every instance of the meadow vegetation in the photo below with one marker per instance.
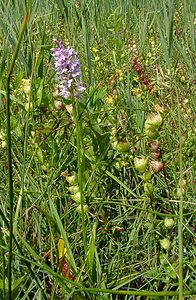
(97, 190)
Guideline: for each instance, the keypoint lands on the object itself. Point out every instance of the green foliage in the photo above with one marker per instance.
(138, 67)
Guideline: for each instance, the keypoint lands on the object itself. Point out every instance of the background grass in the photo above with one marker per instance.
(125, 223)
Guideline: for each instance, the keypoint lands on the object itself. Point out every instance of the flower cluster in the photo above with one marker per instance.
(68, 70)
(139, 69)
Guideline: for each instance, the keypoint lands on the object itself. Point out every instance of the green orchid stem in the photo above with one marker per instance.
(9, 157)
(180, 220)
(80, 152)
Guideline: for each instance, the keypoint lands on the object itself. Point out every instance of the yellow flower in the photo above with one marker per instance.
(118, 72)
(25, 86)
(151, 40)
(62, 251)
(95, 50)
(136, 92)
(109, 100)
(136, 78)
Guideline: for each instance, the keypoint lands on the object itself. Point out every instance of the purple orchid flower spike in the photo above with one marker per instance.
(68, 70)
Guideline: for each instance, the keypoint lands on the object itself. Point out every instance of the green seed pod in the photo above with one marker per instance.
(123, 146)
(85, 207)
(153, 122)
(165, 243)
(140, 164)
(153, 134)
(180, 192)
(72, 179)
(114, 145)
(118, 165)
(76, 197)
(74, 189)
(146, 177)
(169, 222)
(148, 188)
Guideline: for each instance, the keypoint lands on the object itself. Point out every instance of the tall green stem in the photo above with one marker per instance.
(9, 157)
(180, 221)
(80, 152)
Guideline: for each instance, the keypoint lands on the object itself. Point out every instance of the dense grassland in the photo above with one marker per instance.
(97, 192)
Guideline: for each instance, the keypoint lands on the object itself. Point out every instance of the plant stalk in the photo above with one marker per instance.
(9, 157)
(80, 153)
(180, 220)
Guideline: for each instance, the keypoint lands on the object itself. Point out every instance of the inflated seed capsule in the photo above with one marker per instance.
(146, 177)
(148, 188)
(76, 197)
(169, 222)
(154, 121)
(123, 146)
(114, 145)
(74, 189)
(140, 164)
(153, 134)
(156, 154)
(71, 179)
(156, 166)
(180, 192)
(155, 145)
(165, 243)
(85, 207)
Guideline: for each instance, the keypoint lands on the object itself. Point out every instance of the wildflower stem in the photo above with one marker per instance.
(80, 167)
(180, 221)
(8, 135)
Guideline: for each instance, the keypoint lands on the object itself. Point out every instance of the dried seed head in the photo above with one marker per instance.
(156, 166)
(156, 154)
(155, 145)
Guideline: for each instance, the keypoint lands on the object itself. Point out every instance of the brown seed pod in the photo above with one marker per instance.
(155, 145)
(138, 70)
(156, 166)
(150, 88)
(65, 270)
(156, 154)
(133, 62)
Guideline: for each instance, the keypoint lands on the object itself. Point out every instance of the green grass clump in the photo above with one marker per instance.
(97, 195)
